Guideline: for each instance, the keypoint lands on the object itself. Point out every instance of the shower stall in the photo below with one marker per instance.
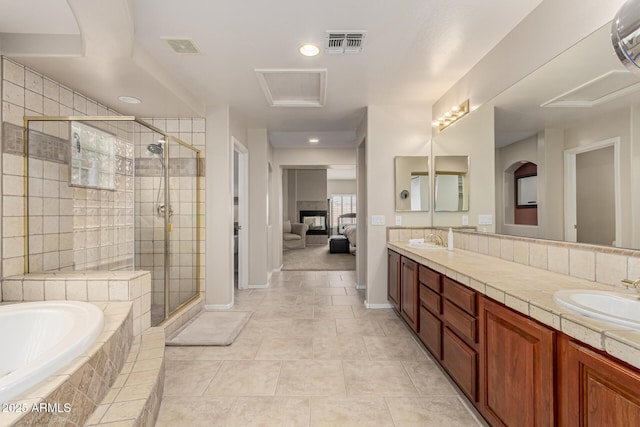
(111, 193)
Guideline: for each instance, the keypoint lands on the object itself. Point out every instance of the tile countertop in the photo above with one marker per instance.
(529, 290)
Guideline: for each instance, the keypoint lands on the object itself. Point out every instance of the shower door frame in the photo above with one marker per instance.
(168, 226)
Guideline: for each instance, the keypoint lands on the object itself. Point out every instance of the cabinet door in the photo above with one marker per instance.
(431, 332)
(516, 368)
(461, 361)
(393, 279)
(409, 292)
(595, 390)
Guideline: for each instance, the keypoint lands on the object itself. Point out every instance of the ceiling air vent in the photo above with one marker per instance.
(181, 46)
(344, 41)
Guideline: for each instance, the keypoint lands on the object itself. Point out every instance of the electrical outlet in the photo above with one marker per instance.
(398, 220)
(377, 220)
(485, 219)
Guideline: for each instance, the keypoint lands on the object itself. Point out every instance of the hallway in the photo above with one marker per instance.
(311, 355)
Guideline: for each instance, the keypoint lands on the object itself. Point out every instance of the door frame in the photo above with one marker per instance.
(570, 210)
(243, 211)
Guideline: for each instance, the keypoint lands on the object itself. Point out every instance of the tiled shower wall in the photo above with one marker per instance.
(149, 194)
(25, 92)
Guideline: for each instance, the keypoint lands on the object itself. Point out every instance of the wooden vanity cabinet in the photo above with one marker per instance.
(595, 390)
(409, 308)
(393, 278)
(460, 335)
(516, 368)
(430, 288)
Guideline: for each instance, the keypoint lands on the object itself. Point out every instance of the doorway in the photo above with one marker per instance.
(240, 215)
(592, 193)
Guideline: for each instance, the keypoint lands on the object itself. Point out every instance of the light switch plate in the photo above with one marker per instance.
(398, 220)
(377, 219)
(485, 219)
(465, 219)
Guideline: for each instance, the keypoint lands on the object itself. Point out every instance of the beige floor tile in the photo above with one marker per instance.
(340, 347)
(360, 311)
(358, 327)
(182, 353)
(314, 299)
(375, 378)
(245, 378)
(429, 379)
(333, 312)
(188, 377)
(330, 291)
(394, 328)
(394, 348)
(311, 378)
(194, 411)
(349, 283)
(350, 411)
(359, 292)
(279, 300)
(285, 348)
(269, 411)
(314, 283)
(347, 300)
(312, 327)
(430, 411)
(258, 329)
(242, 348)
(284, 312)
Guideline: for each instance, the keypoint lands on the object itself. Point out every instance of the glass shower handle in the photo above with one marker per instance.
(170, 227)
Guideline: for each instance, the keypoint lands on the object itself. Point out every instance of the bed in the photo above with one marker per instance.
(347, 227)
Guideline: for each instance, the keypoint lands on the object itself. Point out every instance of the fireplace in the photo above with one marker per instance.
(316, 220)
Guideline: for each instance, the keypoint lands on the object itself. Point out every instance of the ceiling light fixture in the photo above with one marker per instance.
(455, 113)
(313, 140)
(129, 100)
(309, 49)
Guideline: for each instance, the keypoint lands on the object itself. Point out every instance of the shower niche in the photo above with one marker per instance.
(97, 188)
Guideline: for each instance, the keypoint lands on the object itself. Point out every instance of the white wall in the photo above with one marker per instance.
(391, 131)
(471, 136)
(546, 32)
(341, 186)
(218, 212)
(258, 207)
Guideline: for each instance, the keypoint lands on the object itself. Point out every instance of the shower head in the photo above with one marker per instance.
(155, 148)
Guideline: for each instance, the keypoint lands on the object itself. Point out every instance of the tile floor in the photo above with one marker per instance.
(311, 355)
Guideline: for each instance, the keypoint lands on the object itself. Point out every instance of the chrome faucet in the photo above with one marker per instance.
(437, 239)
(631, 284)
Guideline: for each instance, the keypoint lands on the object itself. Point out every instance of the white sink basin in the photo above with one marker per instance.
(619, 308)
(428, 246)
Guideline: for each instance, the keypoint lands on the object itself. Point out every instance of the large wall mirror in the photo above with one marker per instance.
(451, 184)
(576, 119)
(412, 183)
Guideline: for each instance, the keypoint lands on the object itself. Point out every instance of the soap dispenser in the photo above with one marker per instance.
(450, 240)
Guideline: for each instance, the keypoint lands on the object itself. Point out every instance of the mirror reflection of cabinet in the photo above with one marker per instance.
(412, 183)
(451, 184)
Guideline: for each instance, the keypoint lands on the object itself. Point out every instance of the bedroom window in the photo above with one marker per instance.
(341, 204)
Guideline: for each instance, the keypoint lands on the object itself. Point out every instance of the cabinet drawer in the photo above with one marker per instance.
(461, 361)
(430, 299)
(431, 332)
(431, 278)
(460, 295)
(465, 324)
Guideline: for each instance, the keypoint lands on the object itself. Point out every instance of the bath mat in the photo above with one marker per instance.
(211, 328)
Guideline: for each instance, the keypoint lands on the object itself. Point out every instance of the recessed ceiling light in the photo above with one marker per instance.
(129, 99)
(309, 50)
(313, 140)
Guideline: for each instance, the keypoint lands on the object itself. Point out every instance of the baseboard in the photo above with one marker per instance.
(260, 286)
(375, 306)
(218, 306)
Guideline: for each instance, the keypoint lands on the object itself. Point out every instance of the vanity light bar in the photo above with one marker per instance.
(452, 115)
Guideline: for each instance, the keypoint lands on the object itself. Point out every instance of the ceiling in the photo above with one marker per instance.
(413, 52)
(587, 71)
